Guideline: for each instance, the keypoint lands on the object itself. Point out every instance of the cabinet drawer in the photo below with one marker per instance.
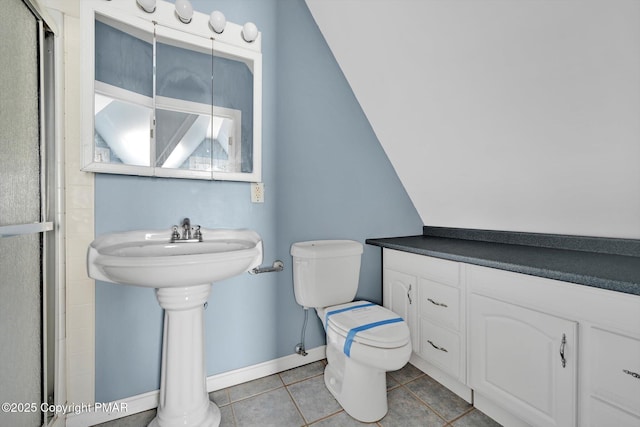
(440, 303)
(440, 347)
(616, 369)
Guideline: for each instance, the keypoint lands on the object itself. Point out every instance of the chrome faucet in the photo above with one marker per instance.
(186, 229)
(186, 235)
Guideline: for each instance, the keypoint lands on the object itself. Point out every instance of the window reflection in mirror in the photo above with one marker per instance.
(123, 102)
(122, 131)
(194, 79)
(184, 98)
(167, 100)
(183, 140)
(226, 137)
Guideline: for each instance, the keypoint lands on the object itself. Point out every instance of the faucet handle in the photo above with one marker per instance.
(198, 234)
(175, 235)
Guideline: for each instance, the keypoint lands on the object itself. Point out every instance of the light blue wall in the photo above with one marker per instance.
(334, 179)
(325, 176)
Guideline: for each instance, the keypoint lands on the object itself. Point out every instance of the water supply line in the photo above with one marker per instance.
(300, 347)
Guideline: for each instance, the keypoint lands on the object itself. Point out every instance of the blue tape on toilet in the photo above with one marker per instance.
(352, 333)
(353, 307)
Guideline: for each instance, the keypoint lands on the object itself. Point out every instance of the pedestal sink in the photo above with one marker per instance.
(182, 274)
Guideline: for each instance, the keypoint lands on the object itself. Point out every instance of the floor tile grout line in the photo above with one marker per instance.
(233, 416)
(325, 417)
(447, 422)
(301, 380)
(256, 394)
(296, 406)
(422, 374)
(300, 410)
(464, 414)
(284, 385)
(307, 422)
(424, 403)
(230, 404)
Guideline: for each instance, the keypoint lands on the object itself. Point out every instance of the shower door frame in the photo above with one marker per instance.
(50, 63)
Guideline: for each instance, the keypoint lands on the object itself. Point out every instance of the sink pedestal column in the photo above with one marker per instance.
(184, 400)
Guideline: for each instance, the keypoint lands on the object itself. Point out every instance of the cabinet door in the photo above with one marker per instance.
(398, 290)
(523, 360)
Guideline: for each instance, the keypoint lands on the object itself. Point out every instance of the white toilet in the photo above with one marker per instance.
(364, 340)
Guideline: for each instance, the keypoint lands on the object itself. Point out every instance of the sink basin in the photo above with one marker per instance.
(146, 258)
(182, 274)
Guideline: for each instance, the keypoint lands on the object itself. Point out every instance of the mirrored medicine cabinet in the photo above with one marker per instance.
(168, 99)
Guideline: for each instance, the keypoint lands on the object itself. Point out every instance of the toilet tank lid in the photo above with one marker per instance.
(326, 248)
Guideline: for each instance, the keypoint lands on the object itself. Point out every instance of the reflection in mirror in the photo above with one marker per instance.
(122, 131)
(123, 102)
(184, 72)
(123, 56)
(183, 103)
(191, 133)
(233, 91)
(196, 142)
(227, 134)
(183, 140)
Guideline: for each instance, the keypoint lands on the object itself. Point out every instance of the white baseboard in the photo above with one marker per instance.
(242, 375)
(146, 401)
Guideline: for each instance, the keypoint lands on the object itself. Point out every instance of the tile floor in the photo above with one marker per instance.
(298, 397)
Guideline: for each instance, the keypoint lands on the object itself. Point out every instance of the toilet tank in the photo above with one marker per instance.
(325, 272)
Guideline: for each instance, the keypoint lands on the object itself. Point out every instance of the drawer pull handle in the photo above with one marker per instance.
(409, 295)
(633, 374)
(563, 343)
(439, 304)
(436, 347)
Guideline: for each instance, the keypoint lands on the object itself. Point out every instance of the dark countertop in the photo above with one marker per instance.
(610, 271)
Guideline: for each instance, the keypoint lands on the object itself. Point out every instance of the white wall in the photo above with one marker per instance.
(501, 114)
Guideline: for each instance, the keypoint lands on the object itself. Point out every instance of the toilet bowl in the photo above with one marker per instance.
(357, 362)
(364, 340)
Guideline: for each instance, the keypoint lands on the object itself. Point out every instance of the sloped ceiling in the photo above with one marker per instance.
(501, 114)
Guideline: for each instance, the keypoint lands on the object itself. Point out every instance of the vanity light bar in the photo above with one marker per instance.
(183, 14)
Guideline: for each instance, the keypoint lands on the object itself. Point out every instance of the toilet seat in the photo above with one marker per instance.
(388, 330)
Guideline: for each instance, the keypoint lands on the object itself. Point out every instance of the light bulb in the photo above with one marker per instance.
(184, 10)
(249, 32)
(148, 6)
(217, 21)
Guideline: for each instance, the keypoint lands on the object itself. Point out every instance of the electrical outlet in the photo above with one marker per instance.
(257, 192)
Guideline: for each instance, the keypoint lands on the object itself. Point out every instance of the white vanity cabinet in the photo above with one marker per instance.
(521, 358)
(529, 351)
(601, 330)
(429, 294)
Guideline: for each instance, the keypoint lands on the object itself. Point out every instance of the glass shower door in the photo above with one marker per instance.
(25, 231)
